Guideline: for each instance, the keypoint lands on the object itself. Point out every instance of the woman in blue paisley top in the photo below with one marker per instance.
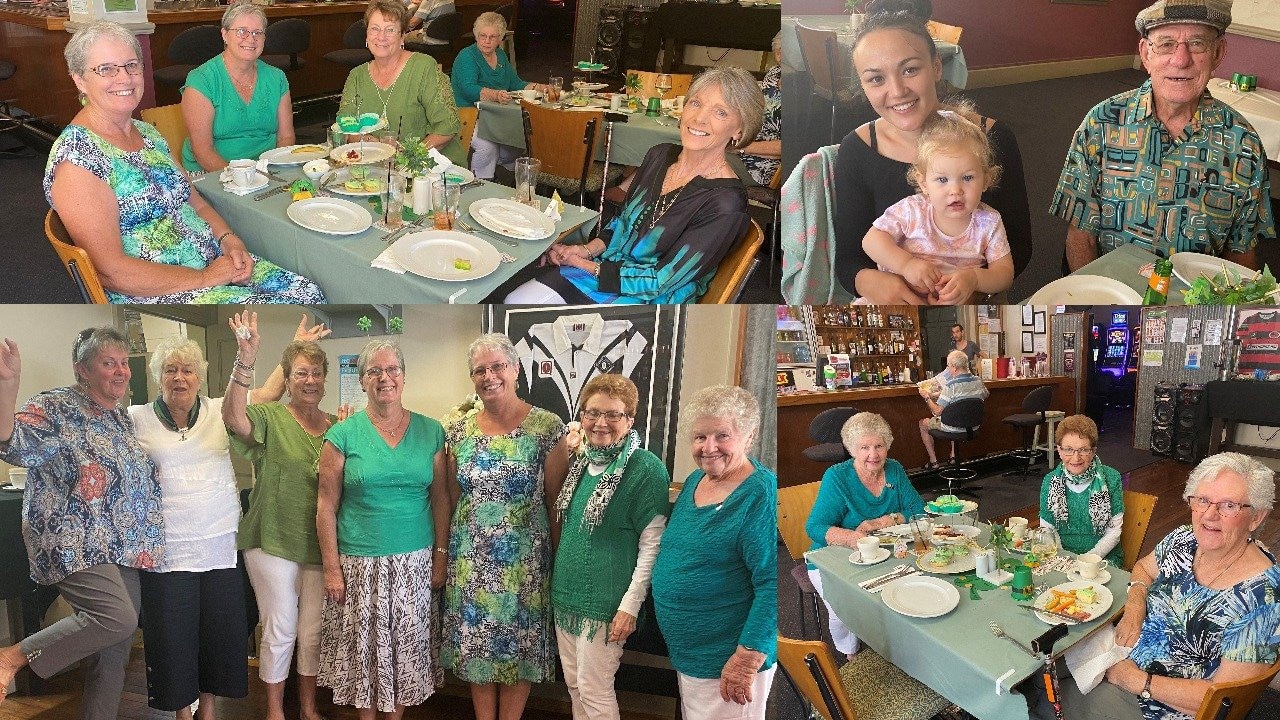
(1202, 608)
(115, 186)
(509, 460)
(91, 514)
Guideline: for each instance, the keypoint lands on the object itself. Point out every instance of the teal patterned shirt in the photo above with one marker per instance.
(1126, 180)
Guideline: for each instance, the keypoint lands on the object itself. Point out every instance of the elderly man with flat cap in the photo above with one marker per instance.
(1167, 166)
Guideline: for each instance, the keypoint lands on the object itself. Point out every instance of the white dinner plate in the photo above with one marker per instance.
(1094, 610)
(940, 535)
(333, 181)
(889, 534)
(1085, 290)
(920, 596)
(259, 181)
(332, 216)
(1187, 266)
(433, 254)
(590, 86)
(879, 556)
(966, 506)
(510, 218)
(294, 154)
(965, 563)
(365, 153)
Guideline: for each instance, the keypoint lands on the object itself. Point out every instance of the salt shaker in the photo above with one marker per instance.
(985, 562)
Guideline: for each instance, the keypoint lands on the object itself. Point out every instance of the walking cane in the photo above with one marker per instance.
(1044, 645)
(609, 119)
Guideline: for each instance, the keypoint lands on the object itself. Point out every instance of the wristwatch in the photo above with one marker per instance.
(1146, 689)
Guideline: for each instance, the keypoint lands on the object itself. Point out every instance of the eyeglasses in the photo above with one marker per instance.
(388, 30)
(1226, 508)
(303, 374)
(393, 371)
(496, 369)
(110, 70)
(242, 33)
(1168, 46)
(611, 416)
(1075, 451)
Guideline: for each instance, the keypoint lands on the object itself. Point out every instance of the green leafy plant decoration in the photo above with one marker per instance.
(396, 325)
(365, 324)
(415, 158)
(633, 83)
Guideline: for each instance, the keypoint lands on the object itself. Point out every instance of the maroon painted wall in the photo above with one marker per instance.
(1252, 56)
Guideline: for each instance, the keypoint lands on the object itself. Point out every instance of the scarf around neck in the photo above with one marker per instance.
(1099, 495)
(615, 457)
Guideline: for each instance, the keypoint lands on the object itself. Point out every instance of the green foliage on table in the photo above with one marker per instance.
(633, 83)
(1229, 288)
(414, 157)
(856, 6)
(1001, 538)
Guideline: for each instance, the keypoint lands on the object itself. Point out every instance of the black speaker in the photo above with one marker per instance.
(1163, 412)
(633, 50)
(1191, 424)
(610, 30)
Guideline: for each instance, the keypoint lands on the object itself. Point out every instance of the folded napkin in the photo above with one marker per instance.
(555, 207)
(1088, 661)
(387, 261)
(866, 584)
(442, 163)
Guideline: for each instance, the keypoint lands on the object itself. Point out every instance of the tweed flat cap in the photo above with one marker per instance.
(1214, 13)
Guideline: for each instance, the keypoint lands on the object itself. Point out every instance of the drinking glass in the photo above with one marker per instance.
(662, 84)
(921, 532)
(554, 85)
(395, 199)
(527, 171)
(1044, 543)
(444, 199)
(578, 89)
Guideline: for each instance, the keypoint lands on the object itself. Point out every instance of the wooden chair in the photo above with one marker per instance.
(794, 505)
(819, 49)
(735, 268)
(168, 120)
(642, 85)
(1233, 700)
(467, 115)
(565, 142)
(74, 259)
(1137, 516)
(868, 687)
(944, 32)
(764, 204)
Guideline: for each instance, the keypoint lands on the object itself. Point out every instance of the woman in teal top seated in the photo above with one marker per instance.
(382, 507)
(866, 493)
(1082, 499)
(406, 88)
(715, 584)
(235, 106)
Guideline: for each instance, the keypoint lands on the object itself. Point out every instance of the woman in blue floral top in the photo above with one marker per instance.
(1202, 608)
(91, 514)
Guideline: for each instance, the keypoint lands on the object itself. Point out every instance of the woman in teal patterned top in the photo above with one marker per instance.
(510, 459)
(613, 507)
(715, 584)
(235, 106)
(1082, 499)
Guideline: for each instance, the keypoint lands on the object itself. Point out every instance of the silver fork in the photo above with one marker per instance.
(1000, 633)
(468, 228)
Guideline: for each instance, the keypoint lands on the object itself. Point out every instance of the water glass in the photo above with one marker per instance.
(444, 199)
(395, 199)
(527, 171)
(554, 85)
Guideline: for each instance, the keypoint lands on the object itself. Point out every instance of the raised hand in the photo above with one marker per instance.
(10, 364)
(313, 333)
(245, 326)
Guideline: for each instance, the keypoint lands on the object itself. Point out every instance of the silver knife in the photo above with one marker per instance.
(1054, 613)
(269, 193)
(274, 176)
(896, 573)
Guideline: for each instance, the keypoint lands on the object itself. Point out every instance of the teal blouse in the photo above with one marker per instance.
(470, 74)
(239, 131)
(843, 501)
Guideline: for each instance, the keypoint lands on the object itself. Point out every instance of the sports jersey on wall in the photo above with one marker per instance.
(1259, 336)
(558, 358)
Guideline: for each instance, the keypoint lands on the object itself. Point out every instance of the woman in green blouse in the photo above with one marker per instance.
(406, 88)
(612, 507)
(1082, 498)
(721, 548)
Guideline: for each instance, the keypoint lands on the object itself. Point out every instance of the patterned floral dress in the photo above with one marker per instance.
(158, 223)
(498, 591)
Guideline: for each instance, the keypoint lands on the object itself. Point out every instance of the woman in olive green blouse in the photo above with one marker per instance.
(406, 88)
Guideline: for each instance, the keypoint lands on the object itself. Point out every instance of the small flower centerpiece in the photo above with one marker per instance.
(414, 158)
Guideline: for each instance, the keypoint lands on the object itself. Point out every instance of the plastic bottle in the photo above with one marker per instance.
(829, 376)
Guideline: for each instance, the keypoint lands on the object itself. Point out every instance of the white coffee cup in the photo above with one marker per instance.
(1089, 565)
(1018, 527)
(18, 477)
(868, 547)
(530, 94)
(243, 172)
(615, 102)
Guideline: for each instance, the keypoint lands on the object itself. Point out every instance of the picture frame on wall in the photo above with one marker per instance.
(562, 348)
(1028, 341)
(1027, 313)
(1039, 325)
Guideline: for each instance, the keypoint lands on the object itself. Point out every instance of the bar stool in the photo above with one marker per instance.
(286, 40)
(353, 52)
(1034, 407)
(190, 48)
(966, 413)
(1051, 419)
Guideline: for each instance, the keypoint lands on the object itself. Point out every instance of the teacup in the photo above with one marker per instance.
(1018, 527)
(868, 546)
(1089, 565)
(18, 477)
(530, 94)
(243, 172)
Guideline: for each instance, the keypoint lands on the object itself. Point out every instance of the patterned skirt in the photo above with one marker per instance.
(376, 649)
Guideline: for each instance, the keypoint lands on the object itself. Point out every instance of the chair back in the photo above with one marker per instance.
(564, 140)
(944, 32)
(354, 37)
(807, 237)
(825, 427)
(643, 84)
(1234, 700)
(447, 27)
(467, 116)
(794, 505)
(195, 45)
(965, 413)
(74, 259)
(168, 120)
(508, 13)
(1138, 508)
(813, 673)
(731, 276)
(290, 36)
(818, 48)
(1038, 401)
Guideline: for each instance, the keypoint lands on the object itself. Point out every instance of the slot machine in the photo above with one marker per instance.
(1114, 354)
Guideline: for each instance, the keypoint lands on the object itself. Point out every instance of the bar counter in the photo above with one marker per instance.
(902, 407)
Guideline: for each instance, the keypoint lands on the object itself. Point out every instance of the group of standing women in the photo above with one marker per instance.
(544, 537)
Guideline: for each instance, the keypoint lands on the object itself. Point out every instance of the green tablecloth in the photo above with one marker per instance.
(1123, 264)
(956, 655)
(954, 68)
(340, 263)
(501, 123)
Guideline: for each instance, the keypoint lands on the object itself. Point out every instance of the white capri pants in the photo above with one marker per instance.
(846, 642)
(589, 669)
(290, 600)
(700, 698)
(486, 155)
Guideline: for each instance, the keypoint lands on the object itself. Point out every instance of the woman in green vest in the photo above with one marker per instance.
(613, 508)
(1082, 498)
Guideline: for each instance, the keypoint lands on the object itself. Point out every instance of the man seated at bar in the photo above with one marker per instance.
(1167, 166)
(959, 384)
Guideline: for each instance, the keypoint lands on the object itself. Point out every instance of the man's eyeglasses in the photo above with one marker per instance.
(611, 416)
(243, 33)
(110, 70)
(1168, 46)
(1075, 451)
(496, 369)
(1226, 508)
(392, 372)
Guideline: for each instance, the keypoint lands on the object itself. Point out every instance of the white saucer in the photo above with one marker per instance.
(879, 556)
(259, 181)
(1102, 578)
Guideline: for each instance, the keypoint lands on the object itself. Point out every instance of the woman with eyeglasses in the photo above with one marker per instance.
(278, 533)
(1082, 499)
(114, 184)
(383, 523)
(612, 510)
(235, 105)
(1201, 609)
(508, 462)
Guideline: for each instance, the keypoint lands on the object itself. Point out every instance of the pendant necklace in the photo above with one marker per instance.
(385, 97)
(166, 418)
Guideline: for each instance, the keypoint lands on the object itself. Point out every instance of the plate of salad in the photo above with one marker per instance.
(1230, 284)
